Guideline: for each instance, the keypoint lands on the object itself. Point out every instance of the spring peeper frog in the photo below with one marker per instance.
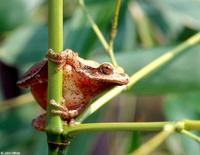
(82, 81)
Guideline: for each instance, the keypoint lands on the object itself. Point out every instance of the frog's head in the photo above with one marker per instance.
(95, 72)
(106, 73)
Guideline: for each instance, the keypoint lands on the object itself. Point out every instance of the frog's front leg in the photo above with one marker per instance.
(65, 57)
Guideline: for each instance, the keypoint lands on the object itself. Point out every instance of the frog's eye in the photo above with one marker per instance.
(106, 69)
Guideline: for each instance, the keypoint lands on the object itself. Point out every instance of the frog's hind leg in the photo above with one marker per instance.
(64, 112)
(39, 122)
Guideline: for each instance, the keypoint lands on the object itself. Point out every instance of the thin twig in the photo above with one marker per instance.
(119, 126)
(95, 27)
(132, 126)
(113, 31)
(153, 143)
(190, 135)
(108, 47)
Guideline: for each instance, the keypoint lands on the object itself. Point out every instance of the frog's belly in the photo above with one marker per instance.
(71, 91)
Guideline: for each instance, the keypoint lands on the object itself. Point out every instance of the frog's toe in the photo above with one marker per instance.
(58, 58)
(39, 122)
(58, 106)
(65, 115)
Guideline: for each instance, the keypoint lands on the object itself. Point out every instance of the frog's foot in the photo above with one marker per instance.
(61, 58)
(39, 122)
(64, 112)
(57, 58)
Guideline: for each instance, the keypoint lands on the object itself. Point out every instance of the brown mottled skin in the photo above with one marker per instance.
(82, 81)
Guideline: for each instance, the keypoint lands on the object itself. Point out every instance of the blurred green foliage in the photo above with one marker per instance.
(23, 41)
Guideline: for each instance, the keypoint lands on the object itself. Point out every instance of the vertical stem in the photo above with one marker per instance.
(94, 26)
(113, 31)
(107, 46)
(55, 42)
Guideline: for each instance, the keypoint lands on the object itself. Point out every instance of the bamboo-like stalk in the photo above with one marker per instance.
(167, 128)
(119, 126)
(178, 126)
(55, 42)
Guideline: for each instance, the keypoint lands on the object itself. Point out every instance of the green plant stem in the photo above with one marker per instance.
(131, 126)
(153, 143)
(167, 128)
(94, 26)
(55, 77)
(113, 31)
(55, 42)
(119, 126)
(191, 124)
(190, 135)
(108, 47)
(139, 75)
(111, 53)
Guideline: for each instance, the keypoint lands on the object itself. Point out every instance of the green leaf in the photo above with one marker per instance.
(179, 13)
(15, 13)
(25, 46)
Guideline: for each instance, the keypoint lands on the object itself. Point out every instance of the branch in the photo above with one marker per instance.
(55, 41)
(107, 46)
(113, 31)
(153, 143)
(94, 26)
(131, 126)
(190, 135)
(119, 126)
(167, 128)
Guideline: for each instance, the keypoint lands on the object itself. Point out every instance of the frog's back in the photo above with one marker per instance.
(36, 74)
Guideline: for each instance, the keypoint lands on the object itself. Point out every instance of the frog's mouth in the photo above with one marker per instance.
(119, 79)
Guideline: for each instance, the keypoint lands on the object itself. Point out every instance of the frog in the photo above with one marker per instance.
(83, 80)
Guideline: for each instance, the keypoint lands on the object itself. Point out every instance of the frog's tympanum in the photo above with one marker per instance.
(82, 81)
